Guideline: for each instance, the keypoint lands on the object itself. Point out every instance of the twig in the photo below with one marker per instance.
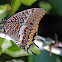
(54, 50)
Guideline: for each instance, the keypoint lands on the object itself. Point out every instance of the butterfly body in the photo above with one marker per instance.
(23, 26)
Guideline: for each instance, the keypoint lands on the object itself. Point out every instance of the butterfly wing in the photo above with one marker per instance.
(30, 31)
(22, 27)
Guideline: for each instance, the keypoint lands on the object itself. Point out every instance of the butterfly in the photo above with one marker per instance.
(22, 27)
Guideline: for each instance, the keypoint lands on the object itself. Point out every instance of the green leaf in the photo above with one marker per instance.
(28, 2)
(4, 9)
(15, 4)
(45, 5)
(4, 44)
(1, 42)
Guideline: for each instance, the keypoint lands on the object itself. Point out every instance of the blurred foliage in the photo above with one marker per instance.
(4, 10)
(28, 2)
(15, 4)
(14, 60)
(57, 6)
(44, 57)
(8, 8)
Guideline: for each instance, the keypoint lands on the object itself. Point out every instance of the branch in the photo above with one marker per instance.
(43, 46)
(43, 43)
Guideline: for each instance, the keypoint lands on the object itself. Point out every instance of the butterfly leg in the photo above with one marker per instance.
(32, 52)
(35, 45)
(27, 50)
(30, 48)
